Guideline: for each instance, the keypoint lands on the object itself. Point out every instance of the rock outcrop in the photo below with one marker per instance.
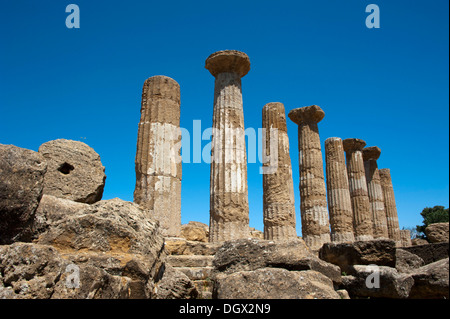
(437, 233)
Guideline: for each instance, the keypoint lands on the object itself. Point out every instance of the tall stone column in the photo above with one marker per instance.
(228, 183)
(376, 198)
(339, 201)
(313, 200)
(158, 161)
(278, 186)
(389, 205)
(362, 219)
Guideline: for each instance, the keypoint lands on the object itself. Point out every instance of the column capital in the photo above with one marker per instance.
(353, 144)
(231, 61)
(306, 114)
(371, 153)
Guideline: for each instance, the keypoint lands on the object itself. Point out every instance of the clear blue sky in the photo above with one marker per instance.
(388, 86)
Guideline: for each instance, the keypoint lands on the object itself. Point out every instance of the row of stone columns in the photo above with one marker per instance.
(360, 199)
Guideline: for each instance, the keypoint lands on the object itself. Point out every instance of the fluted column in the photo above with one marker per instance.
(158, 161)
(313, 201)
(376, 198)
(278, 187)
(389, 205)
(362, 219)
(405, 238)
(339, 202)
(228, 183)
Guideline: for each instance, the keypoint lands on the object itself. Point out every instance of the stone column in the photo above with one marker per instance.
(362, 219)
(278, 186)
(313, 200)
(405, 238)
(339, 202)
(158, 161)
(228, 183)
(376, 198)
(389, 204)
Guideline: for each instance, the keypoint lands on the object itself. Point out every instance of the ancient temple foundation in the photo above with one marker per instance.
(362, 219)
(376, 198)
(313, 201)
(228, 182)
(158, 161)
(389, 205)
(339, 201)
(278, 187)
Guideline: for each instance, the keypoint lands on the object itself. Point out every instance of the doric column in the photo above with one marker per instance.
(405, 238)
(278, 186)
(339, 202)
(362, 219)
(228, 183)
(376, 198)
(158, 161)
(313, 201)
(389, 204)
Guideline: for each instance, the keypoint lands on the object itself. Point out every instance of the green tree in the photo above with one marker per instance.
(436, 214)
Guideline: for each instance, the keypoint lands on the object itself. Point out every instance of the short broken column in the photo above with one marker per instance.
(339, 202)
(405, 238)
(313, 200)
(376, 198)
(158, 160)
(228, 182)
(389, 205)
(278, 186)
(362, 219)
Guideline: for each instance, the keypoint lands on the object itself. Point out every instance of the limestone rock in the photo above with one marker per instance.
(418, 241)
(437, 233)
(195, 231)
(174, 285)
(74, 171)
(379, 252)
(274, 283)
(430, 252)
(431, 281)
(407, 262)
(21, 183)
(254, 233)
(389, 283)
(181, 246)
(343, 293)
(252, 254)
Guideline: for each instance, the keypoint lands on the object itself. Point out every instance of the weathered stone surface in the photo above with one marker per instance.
(274, 283)
(53, 209)
(418, 241)
(158, 161)
(254, 233)
(228, 189)
(74, 171)
(195, 231)
(390, 205)
(313, 201)
(21, 184)
(406, 261)
(364, 282)
(430, 252)
(343, 293)
(375, 192)
(362, 217)
(181, 246)
(379, 252)
(278, 186)
(339, 201)
(405, 238)
(252, 254)
(437, 232)
(431, 281)
(174, 285)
